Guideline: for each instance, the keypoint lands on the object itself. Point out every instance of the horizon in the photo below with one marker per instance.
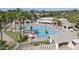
(40, 9)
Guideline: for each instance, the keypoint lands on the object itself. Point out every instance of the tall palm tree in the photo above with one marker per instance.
(20, 17)
(1, 27)
(1, 22)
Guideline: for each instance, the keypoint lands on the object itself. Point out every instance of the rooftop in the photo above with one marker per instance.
(65, 37)
(46, 18)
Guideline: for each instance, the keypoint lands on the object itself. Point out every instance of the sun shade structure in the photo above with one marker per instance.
(65, 23)
(45, 20)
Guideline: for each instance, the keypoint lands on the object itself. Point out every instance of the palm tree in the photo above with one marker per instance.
(1, 27)
(1, 30)
(20, 16)
(57, 22)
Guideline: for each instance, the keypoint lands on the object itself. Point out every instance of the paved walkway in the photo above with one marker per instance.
(7, 38)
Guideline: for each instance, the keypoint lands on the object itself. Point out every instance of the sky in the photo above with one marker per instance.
(40, 9)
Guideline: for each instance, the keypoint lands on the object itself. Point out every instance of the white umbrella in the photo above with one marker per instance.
(76, 40)
(71, 29)
(31, 35)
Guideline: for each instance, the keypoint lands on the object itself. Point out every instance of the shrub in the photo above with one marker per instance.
(23, 39)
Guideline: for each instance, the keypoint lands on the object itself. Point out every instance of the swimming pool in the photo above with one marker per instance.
(41, 31)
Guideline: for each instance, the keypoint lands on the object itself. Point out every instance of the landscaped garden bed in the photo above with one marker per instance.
(14, 35)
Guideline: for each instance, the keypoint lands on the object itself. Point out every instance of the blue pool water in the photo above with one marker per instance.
(40, 31)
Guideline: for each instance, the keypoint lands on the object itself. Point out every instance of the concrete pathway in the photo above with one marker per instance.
(6, 38)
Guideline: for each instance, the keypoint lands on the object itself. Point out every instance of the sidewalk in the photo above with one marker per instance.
(7, 38)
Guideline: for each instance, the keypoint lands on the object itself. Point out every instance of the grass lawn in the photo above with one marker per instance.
(14, 35)
(40, 42)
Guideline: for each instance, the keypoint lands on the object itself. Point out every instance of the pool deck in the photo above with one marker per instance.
(66, 36)
(62, 36)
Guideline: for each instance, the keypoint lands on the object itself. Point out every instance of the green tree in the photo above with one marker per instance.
(1, 27)
(3, 45)
(23, 39)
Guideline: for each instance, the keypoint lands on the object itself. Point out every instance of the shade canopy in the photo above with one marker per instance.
(76, 40)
